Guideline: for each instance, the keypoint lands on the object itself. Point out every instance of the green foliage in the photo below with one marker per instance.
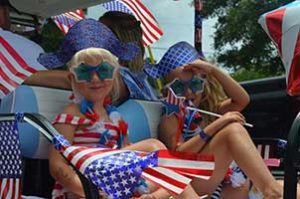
(240, 41)
(51, 38)
(250, 74)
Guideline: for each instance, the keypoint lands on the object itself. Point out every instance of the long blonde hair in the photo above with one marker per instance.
(96, 55)
(212, 97)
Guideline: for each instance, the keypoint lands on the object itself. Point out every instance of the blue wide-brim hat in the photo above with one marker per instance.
(88, 33)
(177, 55)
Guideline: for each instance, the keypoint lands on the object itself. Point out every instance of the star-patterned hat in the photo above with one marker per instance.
(177, 55)
(88, 33)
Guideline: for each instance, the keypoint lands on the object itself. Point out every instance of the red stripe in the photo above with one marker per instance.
(17, 57)
(274, 24)
(184, 155)
(87, 135)
(111, 127)
(4, 76)
(14, 188)
(4, 89)
(139, 6)
(73, 153)
(6, 189)
(7, 79)
(91, 154)
(136, 9)
(12, 68)
(69, 119)
(165, 178)
(203, 172)
(294, 73)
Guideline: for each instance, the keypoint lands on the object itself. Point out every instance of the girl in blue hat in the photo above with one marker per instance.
(197, 83)
(91, 121)
(133, 81)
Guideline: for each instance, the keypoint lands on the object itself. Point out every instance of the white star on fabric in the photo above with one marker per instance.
(132, 179)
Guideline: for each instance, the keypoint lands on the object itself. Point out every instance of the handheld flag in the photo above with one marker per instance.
(10, 163)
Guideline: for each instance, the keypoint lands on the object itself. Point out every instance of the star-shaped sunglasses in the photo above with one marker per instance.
(83, 72)
(196, 84)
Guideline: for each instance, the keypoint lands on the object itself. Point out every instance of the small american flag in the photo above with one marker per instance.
(13, 67)
(117, 172)
(173, 99)
(149, 25)
(10, 161)
(66, 20)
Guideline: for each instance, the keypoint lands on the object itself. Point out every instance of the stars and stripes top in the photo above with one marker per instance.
(93, 134)
(105, 134)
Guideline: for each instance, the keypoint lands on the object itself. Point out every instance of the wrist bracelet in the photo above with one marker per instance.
(205, 137)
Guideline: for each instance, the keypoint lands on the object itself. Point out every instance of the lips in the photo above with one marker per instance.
(96, 87)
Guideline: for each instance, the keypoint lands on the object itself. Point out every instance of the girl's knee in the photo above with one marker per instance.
(234, 129)
(156, 144)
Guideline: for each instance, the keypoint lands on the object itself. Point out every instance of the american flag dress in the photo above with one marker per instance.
(95, 134)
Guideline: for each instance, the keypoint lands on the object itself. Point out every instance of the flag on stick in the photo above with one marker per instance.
(66, 20)
(151, 30)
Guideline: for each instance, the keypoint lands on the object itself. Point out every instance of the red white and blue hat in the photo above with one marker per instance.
(88, 33)
(177, 55)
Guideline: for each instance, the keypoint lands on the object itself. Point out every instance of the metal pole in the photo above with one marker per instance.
(198, 26)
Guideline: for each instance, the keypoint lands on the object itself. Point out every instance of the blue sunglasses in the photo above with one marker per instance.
(84, 72)
(196, 84)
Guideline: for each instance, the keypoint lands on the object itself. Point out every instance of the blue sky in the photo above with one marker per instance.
(176, 18)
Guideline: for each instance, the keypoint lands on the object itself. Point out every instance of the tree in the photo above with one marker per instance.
(240, 42)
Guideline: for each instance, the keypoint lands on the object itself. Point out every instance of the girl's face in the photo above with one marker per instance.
(187, 83)
(93, 81)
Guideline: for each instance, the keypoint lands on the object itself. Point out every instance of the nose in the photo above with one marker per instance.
(94, 77)
(188, 92)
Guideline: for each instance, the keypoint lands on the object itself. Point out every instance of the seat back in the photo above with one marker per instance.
(142, 118)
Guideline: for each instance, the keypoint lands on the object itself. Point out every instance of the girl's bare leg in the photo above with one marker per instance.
(147, 145)
(236, 142)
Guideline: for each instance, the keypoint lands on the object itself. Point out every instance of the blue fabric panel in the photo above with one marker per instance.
(134, 114)
(24, 101)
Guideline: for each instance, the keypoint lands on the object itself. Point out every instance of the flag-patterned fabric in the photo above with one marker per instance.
(172, 103)
(66, 20)
(283, 27)
(117, 172)
(189, 164)
(151, 30)
(10, 161)
(172, 98)
(13, 65)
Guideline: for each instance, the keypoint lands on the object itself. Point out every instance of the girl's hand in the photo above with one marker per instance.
(200, 66)
(234, 116)
(102, 194)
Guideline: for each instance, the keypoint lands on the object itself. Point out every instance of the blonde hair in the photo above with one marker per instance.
(95, 56)
(127, 29)
(213, 95)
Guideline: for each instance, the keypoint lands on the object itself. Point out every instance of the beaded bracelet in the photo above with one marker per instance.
(204, 136)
